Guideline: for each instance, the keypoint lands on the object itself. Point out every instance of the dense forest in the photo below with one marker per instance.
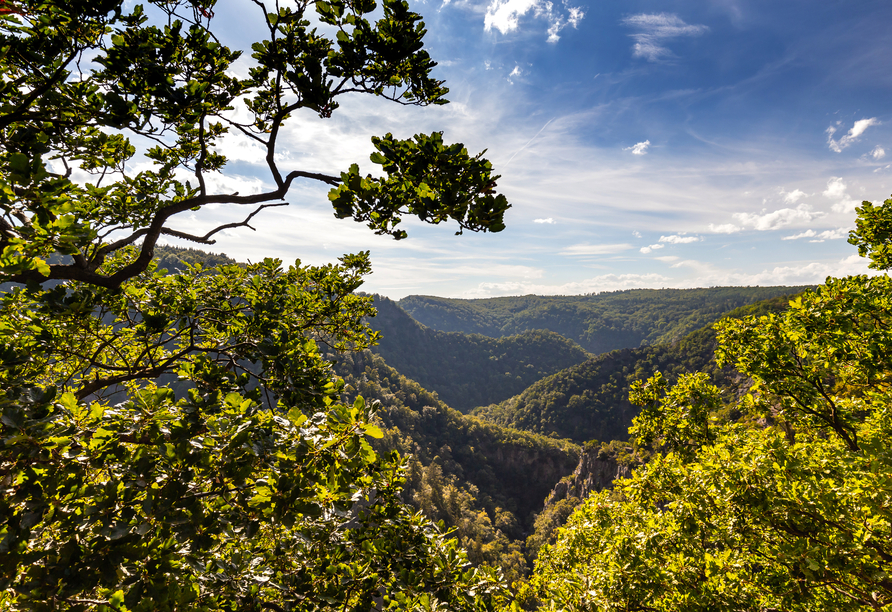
(590, 401)
(469, 370)
(599, 323)
(485, 481)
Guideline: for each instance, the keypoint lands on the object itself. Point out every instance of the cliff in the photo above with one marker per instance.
(596, 471)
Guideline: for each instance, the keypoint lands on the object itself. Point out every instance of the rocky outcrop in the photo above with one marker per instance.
(596, 471)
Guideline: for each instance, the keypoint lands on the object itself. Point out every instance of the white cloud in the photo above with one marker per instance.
(654, 29)
(595, 249)
(724, 228)
(673, 239)
(676, 239)
(778, 218)
(838, 192)
(557, 24)
(859, 128)
(794, 196)
(638, 149)
(878, 153)
(549, 220)
(504, 15)
(667, 258)
(805, 234)
(636, 233)
(834, 234)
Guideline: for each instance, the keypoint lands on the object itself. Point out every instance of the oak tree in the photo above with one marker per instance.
(174, 441)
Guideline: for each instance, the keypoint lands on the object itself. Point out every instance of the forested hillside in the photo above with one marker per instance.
(591, 400)
(175, 259)
(469, 370)
(484, 480)
(599, 323)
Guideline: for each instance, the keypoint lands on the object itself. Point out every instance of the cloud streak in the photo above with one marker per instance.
(834, 234)
(595, 249)
(706, 276)
(654, 30)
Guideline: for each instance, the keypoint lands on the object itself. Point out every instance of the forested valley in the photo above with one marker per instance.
(181, 430)
(492, 425)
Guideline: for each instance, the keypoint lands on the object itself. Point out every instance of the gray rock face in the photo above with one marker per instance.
(595, 472)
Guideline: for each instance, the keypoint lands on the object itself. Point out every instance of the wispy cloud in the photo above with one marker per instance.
(595, 249)
(706, 276)
(654, 30)
(673, 239)
(859, 128)
(638, 149)
(549, 221)
(515, 74)
(878, 153)
(504, 15)
(606, 282)
(677, 239)
(834, 234)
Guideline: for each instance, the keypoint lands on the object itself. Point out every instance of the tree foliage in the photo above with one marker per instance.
(788, 509)
(174, 441)
(873, 234)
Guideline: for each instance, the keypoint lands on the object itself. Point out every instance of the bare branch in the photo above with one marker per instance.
(206, 238)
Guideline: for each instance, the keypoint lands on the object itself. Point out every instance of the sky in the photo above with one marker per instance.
(641, 143)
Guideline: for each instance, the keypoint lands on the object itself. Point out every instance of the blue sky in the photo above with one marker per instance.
(641, 143)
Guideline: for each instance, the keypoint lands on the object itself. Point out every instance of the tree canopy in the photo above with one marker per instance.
(175, 441)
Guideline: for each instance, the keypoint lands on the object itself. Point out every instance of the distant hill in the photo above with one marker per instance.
(174, 259)
(590, 401)
(469, 370)
(599, 323)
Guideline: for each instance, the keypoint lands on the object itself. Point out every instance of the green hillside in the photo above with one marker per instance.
(590, 401)
(599, 323)
(485, 481)
(174, 259)
(469, 370)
